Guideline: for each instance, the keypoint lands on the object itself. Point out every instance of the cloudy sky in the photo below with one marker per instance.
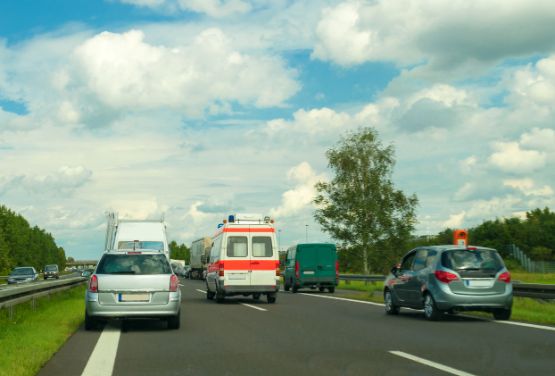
(201, 108)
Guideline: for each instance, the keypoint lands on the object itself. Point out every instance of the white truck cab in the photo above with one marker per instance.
(244, 259)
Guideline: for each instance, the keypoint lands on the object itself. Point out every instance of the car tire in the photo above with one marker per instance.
(294, 288)
(431, 312)
(331, 289)
(286, 286)
(321, 289)
(174, 321)
(271, 298)
(256, 296)
(390, 307)
(502, 314)
(90, 322)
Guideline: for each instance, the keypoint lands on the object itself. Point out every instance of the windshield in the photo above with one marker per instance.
(22, 271)
(480, 259)
(51, 268)
(134, 264)
(157, 245)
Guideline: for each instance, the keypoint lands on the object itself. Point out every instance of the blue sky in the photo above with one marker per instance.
(197, 109)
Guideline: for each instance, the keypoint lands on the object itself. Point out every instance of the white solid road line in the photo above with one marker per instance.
(515, 323)
(343, 299)
(429, 363)
(204, 292)
(101, 362)
(182, 285)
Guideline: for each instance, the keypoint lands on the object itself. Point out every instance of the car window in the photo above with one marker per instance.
(430, 258)
(407, 261)
(237, 246)
(51, 268)
(262, 246)
(215, 250)
(420, 260)
(23, 271)
(480, 259)
(156, 245)
(134, 264)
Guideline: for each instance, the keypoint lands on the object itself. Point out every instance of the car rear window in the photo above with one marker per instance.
(134, 264)
(262, 246)
(237, 246)
(51, 268)
(472, 260)
(155, 245)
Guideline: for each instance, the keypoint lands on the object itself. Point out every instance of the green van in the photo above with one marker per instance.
(311, 265)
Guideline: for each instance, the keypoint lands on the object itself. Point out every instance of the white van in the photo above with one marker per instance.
(244, 259)
(126, 234)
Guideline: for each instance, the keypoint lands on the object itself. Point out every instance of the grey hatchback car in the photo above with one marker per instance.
(449, 279)
(133, 284)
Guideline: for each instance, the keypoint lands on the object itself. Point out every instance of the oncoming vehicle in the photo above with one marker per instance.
(312, 265)
(133, 284)
(450, 279)
(23, 274)
(244, 259)
(51, 271)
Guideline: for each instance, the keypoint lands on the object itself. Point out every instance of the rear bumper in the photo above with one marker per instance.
(137, 310)
(236, 290)
(316, 282)
(446, 300)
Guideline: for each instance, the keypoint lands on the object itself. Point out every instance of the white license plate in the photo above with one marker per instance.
(133, 297)
(308, 272)
(478, 283)
(237, 276)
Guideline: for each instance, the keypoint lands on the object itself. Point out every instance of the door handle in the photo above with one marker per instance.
(255, 263)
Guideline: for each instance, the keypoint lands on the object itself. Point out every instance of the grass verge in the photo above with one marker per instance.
(533, 277)
(524, 309)
(29, 338)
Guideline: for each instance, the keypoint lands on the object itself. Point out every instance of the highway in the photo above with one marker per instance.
(307, 333)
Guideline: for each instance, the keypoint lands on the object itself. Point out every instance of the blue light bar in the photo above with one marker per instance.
(231, 218)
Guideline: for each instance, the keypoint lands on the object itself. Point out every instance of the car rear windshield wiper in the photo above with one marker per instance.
(468, 269)
(124, 272)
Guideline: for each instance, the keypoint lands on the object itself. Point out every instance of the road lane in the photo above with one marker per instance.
(302, 334)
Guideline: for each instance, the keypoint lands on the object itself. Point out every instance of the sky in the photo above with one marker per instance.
(196, 109)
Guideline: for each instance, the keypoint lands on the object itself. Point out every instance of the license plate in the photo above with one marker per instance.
(478, 283)
(308, 272)
(133, 297)
(237, 276)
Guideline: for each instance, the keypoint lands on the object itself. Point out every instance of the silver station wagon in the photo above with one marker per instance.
(449, 279)
(133, 284)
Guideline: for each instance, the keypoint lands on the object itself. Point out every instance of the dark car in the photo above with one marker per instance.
(448, 278)
(23, 274)
(51, 271)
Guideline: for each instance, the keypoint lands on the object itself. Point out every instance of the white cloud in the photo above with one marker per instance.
(212, 8)
(509, 157)
(62, 182)
(543, 139)
(528, 187)
(442, 33)
(295, 200)
(455, 220)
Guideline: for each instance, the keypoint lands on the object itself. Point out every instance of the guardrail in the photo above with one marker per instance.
(528, 290)
(24, 292)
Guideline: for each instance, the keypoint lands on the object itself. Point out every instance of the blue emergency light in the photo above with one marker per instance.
(231, 218)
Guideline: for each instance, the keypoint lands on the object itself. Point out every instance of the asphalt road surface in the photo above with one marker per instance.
(307, 333)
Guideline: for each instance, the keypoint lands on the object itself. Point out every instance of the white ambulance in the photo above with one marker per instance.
(244, 259)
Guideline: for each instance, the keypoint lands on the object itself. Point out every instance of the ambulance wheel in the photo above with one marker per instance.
(256, 296)
(220, 297)
(271, 298)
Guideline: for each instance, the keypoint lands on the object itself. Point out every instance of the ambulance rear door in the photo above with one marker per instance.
(237, 259)
(263, 256)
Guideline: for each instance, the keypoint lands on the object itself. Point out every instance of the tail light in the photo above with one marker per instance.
(297, 274)
(505, 277)
(93, 283)
(278, 272)
(221, 268)
(336, 269)
(445, 277)
(174, 283)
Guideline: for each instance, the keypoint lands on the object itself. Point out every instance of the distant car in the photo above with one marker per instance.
(133, 284)
(311, 265)
(449, 279)
(23, 274)
(178, 269)
(87, 273)
(187, 269)
(51, 271)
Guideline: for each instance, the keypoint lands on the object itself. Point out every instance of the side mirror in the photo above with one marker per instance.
(395, 269)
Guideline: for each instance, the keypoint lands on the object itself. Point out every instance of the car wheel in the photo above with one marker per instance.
(209, 294)
(256, 296)
(90, 322)
(390, 307)
(321, 289)
(331, 289)
(174, 321)
(271, 298)
(430, 309)
(286, 286)
(502, 314)
(294, 287)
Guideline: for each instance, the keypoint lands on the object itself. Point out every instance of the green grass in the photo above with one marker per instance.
(524, 309)
(31, 337)
(533, 277)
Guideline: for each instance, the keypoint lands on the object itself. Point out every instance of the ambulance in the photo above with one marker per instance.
(244, 259)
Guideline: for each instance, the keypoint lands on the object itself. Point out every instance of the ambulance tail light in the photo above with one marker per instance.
(221, 269)
(297, 274)
(93, 283)
(174, 283)
(278, 272)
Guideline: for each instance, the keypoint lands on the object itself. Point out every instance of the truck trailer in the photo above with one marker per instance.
(200, 251)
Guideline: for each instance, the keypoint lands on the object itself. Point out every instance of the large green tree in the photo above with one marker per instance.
(360, 207)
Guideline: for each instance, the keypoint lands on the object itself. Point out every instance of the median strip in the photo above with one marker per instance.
(429, 363)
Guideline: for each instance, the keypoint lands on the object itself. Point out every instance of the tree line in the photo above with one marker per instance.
(23, 245)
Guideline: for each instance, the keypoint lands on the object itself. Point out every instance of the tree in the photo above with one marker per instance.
(360, 206)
